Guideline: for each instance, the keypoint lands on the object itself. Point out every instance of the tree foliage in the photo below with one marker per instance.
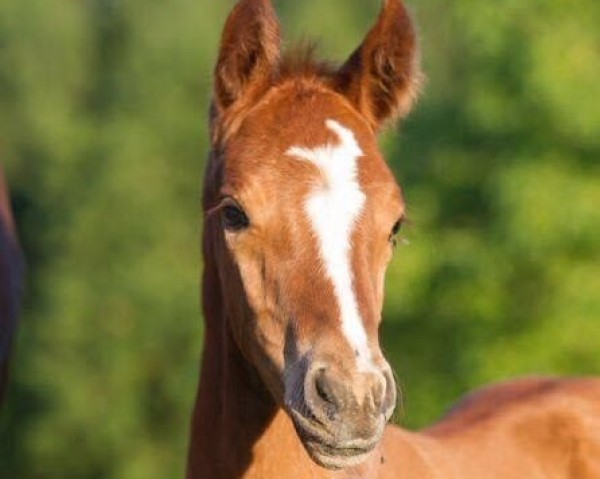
(102, 130)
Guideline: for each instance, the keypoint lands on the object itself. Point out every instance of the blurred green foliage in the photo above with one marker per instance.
(102, 131)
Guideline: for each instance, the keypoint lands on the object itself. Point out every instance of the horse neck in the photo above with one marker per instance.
(237, 429)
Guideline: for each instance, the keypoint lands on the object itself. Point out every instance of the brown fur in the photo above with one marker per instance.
(268, 307)
(10, 283)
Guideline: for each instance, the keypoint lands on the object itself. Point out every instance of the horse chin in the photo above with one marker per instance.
(328, 451)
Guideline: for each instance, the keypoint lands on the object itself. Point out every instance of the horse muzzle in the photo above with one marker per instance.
(340, 414)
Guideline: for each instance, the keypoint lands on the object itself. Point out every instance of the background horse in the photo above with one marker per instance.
(11, 277)
(302, 215)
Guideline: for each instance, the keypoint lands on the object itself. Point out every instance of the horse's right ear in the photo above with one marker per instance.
(249, 53)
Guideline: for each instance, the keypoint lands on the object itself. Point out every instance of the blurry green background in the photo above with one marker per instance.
(103, 135)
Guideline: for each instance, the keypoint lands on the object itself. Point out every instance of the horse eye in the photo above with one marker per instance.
(395, 230)
(234, 218)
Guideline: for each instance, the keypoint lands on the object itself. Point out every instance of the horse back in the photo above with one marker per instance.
(555, 422)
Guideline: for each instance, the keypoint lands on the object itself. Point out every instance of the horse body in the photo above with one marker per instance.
(11, 272)
(301, 216)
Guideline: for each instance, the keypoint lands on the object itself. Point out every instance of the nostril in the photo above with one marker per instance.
(379, 392)
(375, 391)
(322, 387)
(325, 393)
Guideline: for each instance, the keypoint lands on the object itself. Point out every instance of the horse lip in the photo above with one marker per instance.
(336, 458)
(309, 427)
(324, 449)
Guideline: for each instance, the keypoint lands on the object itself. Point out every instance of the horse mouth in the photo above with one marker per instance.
(326, 449)
(334, 457)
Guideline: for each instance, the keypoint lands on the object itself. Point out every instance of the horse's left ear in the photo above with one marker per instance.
(382, 77)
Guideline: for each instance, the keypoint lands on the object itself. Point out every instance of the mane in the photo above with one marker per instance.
(300, 62)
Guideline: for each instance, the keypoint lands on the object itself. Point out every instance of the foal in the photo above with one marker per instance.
(301, 216)
(10, 282)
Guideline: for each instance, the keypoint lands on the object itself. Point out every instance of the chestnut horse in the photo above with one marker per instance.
(11, 272)
(301, 216)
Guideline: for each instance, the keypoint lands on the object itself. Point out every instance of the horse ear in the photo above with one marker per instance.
(382, 77)
(250, 49)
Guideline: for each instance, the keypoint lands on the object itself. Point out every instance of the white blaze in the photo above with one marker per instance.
(333, 208)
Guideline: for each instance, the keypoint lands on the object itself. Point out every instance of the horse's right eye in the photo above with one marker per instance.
(393, 239)
(234, 218)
